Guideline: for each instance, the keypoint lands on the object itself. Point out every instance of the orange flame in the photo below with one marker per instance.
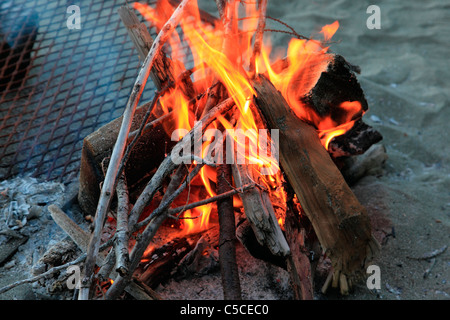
(304, 63)
(329, 30)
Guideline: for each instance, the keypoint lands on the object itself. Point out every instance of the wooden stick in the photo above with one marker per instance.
(258, 36)
(227, 235)
(156, 219)
(137, 31)
(49, 272)
(227, 229)
(298, 264)
(221, 6)
(122, 233)
(259, 212)
(218, 91)
(211, 199)
(146, 290)
(430, 255)
(74, 231)
(110, 178)
(105, 270)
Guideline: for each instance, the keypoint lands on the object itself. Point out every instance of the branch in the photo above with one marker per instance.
(122, 233)
(42, 275)
(110, 178)
(165, 203)
(156, 219)
(220, 196)
(227, 236)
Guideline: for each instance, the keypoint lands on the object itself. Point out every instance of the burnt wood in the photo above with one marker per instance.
(339, 220)
(355, 141)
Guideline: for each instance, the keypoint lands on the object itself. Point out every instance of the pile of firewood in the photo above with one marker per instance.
(126, 163)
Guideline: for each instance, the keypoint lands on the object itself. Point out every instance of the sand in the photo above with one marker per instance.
(406, 78)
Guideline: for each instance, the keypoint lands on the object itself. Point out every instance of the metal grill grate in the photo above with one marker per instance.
(74, 81)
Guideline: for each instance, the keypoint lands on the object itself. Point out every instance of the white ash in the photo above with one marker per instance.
(23, 213)
(23, 198)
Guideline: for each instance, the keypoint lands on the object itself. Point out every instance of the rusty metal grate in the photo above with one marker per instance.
(74, 81)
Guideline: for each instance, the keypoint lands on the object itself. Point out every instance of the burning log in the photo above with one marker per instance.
(339, 220)
(355, 141)
(179, 258)
(203, 259)
(326, 94)
(246, 235)
(159, 264)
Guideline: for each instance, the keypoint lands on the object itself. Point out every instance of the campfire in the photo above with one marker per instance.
(250, 143)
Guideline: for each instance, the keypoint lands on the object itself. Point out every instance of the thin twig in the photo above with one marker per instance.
(51, 271)
(218, 197)
(227, 236)
(428, 270)
(80, 259)
(258, 36)
(299, 36)
(221, 6)
(116, 157)
(292, 32)
(430, 255)
(108, 266)
(168, 200)
(122, 233)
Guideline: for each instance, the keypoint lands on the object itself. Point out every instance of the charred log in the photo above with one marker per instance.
(162, 261)
(355, 141)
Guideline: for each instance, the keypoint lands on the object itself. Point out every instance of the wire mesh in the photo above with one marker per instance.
(57, 85)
